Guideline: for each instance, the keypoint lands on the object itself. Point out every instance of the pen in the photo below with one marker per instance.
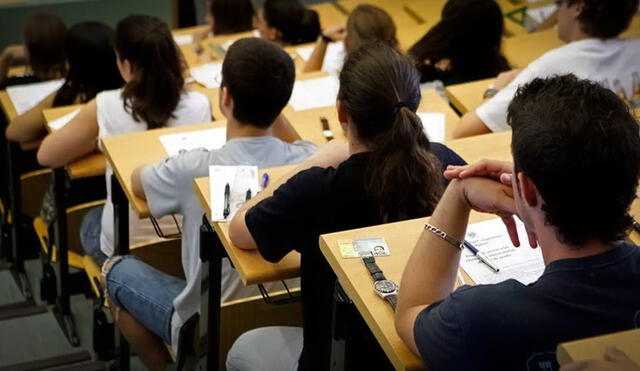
(248, 196)
(227, 208)
(326, 130)
(481, 256)
(265, 180)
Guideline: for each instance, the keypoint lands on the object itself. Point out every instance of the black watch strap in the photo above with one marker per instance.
(376, 272)
(326, 38)
(393, 300)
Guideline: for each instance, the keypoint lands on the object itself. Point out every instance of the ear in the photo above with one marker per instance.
(273, 34)
(226, 101)
(528, 190)
(576, 9)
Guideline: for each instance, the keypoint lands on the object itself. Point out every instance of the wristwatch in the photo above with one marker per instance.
(386, 289)
(490, 92)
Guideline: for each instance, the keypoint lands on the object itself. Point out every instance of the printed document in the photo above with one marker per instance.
(24, 97)
(243, 184)
(208, 139)
(209, 74)
(433, 123)
(314, 93)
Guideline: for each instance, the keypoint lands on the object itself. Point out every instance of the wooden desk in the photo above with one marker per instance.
(594, 348)
(468, 96)
(213, 94)
(330, 15)
(125, 154)
(191, 56)
(396, 9)
(7, 106)
(408, 35)
(249, 264)
(17, 70)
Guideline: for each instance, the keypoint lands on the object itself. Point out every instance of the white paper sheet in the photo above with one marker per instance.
(183, 39)
(540, 14)
(209, 74)
(240, 180)
(24, 97)
(314, 93)
(333, 57)
(58, 123)
(433, 123)
(490, 237)
(209, 139)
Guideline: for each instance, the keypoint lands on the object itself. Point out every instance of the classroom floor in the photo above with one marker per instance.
(34, 337)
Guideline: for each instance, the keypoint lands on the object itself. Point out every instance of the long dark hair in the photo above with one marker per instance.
(368, 23)
(469, 35)
(380, 90)
(231, 16)
(92, 63)
(44, 36)
(158, 82)
(297, 24)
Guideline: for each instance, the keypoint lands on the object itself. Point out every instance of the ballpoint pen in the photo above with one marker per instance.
(227, 195)
(248, 195)
(481, 256)
(265, 180)
(326, 129)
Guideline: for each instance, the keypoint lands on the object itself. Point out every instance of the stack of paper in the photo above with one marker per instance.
(433, 123)
(58, 123)
(490, 237)
(24, 97)
(333, 57)
(183, 39)
(314, 93)
(209, 74)
(243, 185)
(540, 14)
(209, 139)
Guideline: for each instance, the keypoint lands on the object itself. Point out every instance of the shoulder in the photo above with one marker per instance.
(192, 98)
(302, 147)
(108, 97)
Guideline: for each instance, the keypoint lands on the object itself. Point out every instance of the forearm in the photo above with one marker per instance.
(136, 182)
(469, 125)
(317, 56)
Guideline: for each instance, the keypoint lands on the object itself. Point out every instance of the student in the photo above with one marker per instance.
(576, 153)
(92, 69)
(365, 24)
(230, 16)
(257, 80)
(594, 51)
(43, 52)
(464, 46)
(153, 96)
(287, 22)
(388, 171)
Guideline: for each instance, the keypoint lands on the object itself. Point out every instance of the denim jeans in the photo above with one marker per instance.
(145, 292)
(90, 234)
(266, 349)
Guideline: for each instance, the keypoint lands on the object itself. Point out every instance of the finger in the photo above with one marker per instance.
(505, 178)
(487, 167)
(510, 223)
(533, 239)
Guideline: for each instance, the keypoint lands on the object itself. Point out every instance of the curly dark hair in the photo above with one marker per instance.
(605, 19)
(580, 145)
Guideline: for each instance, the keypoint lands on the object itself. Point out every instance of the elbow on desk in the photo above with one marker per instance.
(239, 233)
(45, 158)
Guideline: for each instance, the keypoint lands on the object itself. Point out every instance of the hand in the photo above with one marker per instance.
(504, 78)
(498, 170)
(615, 360)
(336, 33)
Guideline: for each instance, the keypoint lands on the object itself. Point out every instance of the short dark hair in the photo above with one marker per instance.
(44, 36)
(231, 16)
(259, 75)
(297, 24)
(605, 19)
(579, 144)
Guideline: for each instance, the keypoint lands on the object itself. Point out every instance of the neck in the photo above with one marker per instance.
(236, 129)
(553, 250)
(357, 147)
(577, 35)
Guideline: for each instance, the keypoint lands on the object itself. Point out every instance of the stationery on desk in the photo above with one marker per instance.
(326, 129)
(24, 97)
(209, 139)
(209, 74)
(314, 93)
(230, 187)
(490, 238)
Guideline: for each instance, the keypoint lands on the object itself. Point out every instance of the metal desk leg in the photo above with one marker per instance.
(121, 247)
(211, 254)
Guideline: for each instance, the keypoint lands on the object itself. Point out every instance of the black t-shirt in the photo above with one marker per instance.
(314, 202)
(510, 326)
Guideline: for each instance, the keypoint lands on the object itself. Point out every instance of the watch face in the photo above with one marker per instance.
(385, 287)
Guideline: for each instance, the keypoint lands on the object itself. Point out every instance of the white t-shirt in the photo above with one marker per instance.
(614, 63)
(168, 186)
(193, 108)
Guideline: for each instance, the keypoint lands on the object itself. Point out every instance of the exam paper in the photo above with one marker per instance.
(540, 14)
(24, 97)
(209, 74)
(490, 237)
(209, 139)
(314, 93)
(333, 57)
(58, 123)
(240, 179)
(183, 39)
(433, 124)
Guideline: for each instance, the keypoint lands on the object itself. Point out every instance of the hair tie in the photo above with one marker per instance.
(397, 107)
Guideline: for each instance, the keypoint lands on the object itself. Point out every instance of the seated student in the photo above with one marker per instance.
(388, 171)
(576, 153)
(257, 80)
(365, 24)
(225, 17)
(464, 46)
(153, 96)
(594, 52)
(92, 69)
(43, 52)
(287, 22)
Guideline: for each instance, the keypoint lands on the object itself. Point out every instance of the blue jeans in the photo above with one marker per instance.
(90, 234)
(145, 292)
(266, 349)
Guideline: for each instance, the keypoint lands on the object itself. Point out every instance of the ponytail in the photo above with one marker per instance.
(403, 175)
(158, 81)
